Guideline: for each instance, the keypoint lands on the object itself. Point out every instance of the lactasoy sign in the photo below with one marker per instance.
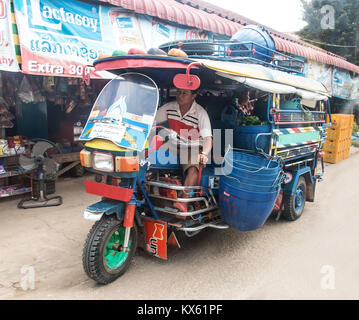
(63, 37)
(65, 18)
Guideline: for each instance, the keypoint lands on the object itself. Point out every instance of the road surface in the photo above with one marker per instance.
(315, 257)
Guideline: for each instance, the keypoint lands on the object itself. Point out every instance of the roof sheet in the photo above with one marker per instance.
(202, 15)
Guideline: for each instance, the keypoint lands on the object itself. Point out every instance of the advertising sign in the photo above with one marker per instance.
(320, 72)
(157, 32)
(342, 84)
(355, 91)
(8, 60)
(63, 37)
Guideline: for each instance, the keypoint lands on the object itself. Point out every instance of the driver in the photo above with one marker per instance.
(190, 121)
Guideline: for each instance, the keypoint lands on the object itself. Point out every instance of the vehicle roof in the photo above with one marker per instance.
(232, 70)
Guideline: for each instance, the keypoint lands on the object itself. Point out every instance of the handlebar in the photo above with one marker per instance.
(175, 136)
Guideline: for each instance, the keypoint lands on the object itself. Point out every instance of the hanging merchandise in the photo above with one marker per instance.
(70, 106)
(38, 97)
(25, 92)
(58, 100)
(82, 91)
(62, 85)
(10, 85)
(48, 84)
(4, 149)
(5, 115)
(72, 81)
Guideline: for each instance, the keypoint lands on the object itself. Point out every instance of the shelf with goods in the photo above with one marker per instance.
(14, 191)
(337, 146)
(13, 179)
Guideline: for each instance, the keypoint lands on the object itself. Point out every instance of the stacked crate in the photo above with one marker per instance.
(337, 145)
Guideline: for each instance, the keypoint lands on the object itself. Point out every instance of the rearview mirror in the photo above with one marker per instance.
(186, 82)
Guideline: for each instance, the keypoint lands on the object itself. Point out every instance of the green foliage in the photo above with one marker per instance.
(251, 121)
(344, 33)
(355, 128)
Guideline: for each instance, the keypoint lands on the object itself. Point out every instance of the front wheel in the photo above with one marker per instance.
(294, 204)
(103, 259)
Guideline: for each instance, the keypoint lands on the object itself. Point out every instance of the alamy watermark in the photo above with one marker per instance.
(327, 281)
(27, 280)
(328, 19)
(173, 149)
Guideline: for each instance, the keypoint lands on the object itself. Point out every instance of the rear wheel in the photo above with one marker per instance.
(103, 258)
(294, 204)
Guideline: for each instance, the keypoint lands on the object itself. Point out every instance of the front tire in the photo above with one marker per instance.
(294, 204)
(102, 258)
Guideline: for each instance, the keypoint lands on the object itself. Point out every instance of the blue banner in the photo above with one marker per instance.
(73, 18)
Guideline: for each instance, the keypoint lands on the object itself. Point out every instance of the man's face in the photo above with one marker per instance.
(185, 97)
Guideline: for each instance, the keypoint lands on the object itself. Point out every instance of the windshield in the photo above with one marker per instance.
(124, 111)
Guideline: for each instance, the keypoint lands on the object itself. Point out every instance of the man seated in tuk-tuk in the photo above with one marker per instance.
(190, 121)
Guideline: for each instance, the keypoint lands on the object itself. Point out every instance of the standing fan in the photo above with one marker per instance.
(44, 168)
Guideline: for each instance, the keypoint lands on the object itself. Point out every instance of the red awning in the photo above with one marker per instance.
(174, 11)
(188, 15)
(313, 54)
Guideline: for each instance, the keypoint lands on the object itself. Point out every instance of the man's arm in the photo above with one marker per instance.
(161, 115)
(206, 133)
(207, 145)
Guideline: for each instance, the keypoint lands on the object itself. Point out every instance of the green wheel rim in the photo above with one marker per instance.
(113, 255)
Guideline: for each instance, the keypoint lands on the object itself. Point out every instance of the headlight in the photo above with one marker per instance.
(102, 162)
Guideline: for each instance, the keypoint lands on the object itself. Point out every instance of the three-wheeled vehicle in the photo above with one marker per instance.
(264, 158)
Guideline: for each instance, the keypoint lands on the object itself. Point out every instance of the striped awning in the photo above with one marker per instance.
(210, 20)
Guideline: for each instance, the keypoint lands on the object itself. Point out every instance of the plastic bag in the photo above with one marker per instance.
(25, 92)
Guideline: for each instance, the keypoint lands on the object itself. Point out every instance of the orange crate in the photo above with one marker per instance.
(342, 121)
(336, 120)
(338, 133)
(333, 157)
(335, 145)
(351, 121)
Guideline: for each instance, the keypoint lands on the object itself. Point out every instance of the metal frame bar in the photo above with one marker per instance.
(186, 214)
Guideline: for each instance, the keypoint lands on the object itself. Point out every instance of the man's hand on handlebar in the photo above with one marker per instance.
(202, 158)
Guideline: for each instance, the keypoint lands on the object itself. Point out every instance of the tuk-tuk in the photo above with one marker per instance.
(264, 158)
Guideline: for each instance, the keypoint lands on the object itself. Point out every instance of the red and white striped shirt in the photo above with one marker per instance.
(193, 125)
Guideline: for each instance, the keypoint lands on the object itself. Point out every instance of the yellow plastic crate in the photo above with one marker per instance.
(342, 121)
(333, 157)
(347, 121)
(339, 133)
(336, 145)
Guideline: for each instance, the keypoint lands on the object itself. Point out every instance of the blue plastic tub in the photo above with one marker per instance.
(245, 210)
(248, 185)
(244, 137)
(251, 167)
